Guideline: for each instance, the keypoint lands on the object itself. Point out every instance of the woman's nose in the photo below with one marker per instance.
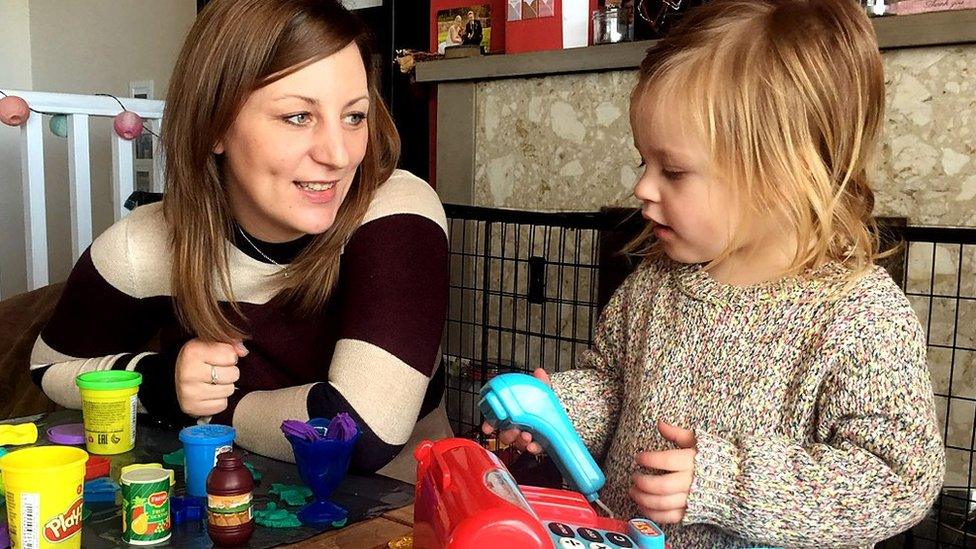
(329, 146)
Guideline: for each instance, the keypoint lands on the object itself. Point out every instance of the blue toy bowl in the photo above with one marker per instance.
(322, 465)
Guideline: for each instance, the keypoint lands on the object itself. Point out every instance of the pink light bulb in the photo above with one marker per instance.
(128, 125)
(13, 110)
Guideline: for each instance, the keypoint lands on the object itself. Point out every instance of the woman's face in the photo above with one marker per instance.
(291, 154)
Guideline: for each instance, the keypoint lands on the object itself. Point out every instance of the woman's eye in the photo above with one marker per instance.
(300, 119)
(356, 118)
(673, 174)
(642, 164)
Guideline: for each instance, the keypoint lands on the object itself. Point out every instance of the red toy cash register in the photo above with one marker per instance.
(467, 499)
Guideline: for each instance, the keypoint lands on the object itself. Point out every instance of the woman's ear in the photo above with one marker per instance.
(219, 147)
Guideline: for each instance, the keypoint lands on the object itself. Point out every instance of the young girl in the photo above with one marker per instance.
(758, 380)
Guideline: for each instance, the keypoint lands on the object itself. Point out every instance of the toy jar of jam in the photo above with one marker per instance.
(229, 487)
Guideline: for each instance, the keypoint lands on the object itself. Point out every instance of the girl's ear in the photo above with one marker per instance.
(219, 147)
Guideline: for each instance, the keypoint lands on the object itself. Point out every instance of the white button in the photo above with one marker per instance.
(570, 543)
(596, 545)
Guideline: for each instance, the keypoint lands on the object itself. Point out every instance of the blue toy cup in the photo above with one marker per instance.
(322, 465)
(201, 445)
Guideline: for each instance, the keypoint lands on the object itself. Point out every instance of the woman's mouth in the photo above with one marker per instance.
(315, 186)
(317, 192)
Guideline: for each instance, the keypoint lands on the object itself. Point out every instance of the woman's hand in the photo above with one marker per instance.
(663, 497)
(519, 439)
(205, 375)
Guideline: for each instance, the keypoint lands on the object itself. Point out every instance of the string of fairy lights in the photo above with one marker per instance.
(14, 111)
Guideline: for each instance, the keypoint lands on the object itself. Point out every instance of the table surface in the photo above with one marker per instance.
(362, 496)
(374, 533)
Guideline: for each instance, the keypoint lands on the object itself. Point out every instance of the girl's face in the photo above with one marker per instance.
(692, 209)
(292, 152)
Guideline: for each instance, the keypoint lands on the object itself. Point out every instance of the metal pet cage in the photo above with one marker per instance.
(527, 288)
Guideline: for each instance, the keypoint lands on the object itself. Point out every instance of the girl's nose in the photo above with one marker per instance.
(646, 189)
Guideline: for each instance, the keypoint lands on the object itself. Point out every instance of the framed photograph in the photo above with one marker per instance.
(464, 26)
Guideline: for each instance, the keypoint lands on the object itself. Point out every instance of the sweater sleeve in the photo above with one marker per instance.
(591, 393)
(393, 301)
(102, 322)
(874, 467)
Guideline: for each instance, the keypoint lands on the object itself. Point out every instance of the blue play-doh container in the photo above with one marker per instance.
(201, 446)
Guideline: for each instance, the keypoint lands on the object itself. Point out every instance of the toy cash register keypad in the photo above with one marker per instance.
(568, 536)
(642, 534)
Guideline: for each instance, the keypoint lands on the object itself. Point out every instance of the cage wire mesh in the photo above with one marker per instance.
(523, 295)
(940, 281)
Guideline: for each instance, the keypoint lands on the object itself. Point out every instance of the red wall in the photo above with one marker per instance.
(543, 33)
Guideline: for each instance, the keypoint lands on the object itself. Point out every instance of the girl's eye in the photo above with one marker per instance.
(673, 175)
(642, 164)
(356, 118)
(299, 119)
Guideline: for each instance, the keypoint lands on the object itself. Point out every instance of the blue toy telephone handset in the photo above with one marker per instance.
(524, 402)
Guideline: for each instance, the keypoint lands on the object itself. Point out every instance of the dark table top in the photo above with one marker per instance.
(363, 496)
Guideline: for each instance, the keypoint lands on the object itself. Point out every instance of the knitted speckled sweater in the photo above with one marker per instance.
(811, 402)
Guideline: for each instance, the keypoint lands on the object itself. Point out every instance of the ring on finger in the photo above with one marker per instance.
(213, 375)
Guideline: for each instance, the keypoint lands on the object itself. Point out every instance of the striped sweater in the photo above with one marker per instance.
(371, 352)
(811, 403)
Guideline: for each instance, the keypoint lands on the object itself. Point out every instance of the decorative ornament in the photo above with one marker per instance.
(128, 125)
(13, 110)
(59, 125)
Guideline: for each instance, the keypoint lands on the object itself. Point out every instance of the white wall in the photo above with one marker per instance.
(95, 46)
(15, 72)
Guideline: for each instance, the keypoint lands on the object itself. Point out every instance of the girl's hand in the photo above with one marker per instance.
(205, 375)
(663, 498)
(521, 440)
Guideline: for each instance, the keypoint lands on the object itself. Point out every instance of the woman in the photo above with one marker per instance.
(291, 271)
(454, 35)
(455, 31)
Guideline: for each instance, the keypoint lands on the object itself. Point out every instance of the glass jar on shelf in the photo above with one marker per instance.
(876, 8)
(614, 22)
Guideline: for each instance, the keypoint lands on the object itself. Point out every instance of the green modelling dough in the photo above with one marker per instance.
(290, 494)
(174, 458)
(254, 471)
(272, 517)
(339, 523)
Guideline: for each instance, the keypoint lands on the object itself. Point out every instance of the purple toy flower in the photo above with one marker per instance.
(342, 427)
(299, 429)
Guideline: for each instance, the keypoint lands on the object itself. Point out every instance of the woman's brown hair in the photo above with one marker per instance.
(788, 97)
(234, 48)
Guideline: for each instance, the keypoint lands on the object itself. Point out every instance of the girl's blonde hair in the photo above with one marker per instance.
(234, 48)
(788, 95)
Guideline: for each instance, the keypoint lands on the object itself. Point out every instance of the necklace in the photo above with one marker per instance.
(258, 250)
